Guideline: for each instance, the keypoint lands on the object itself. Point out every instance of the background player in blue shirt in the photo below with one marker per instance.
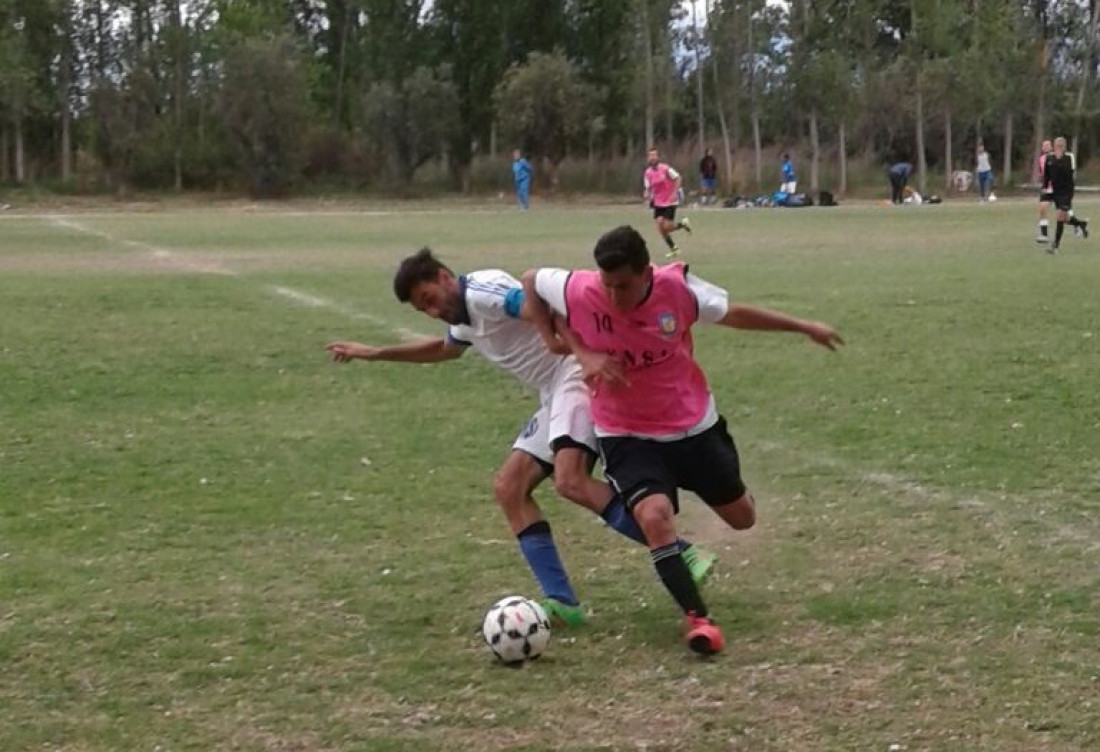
(789, 183)
(521, 177)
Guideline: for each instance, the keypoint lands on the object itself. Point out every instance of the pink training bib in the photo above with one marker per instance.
(662, 187)
(668, 392)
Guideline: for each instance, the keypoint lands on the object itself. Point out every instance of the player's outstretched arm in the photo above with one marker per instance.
(428, 350)
(764, 319)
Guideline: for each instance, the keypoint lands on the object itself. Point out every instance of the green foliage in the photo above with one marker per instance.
(411, 122)
(264, 103)
(544, 105)
(144, 80)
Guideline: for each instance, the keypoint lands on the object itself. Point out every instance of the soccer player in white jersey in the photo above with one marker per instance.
(485, 310)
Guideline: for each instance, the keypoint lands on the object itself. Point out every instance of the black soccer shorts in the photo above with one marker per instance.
(668, 212)
(706, 464)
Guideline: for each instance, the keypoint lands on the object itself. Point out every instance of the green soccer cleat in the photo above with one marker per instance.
(672, 253)
(699, 562)
(562, 614)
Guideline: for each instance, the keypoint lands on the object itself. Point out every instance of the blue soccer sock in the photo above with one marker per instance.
(620, 520)
(537, 544)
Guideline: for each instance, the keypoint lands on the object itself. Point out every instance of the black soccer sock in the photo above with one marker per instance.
(1074, 221)
(676, 576)
(1058, 230)
(1043, 227)
(670, 242)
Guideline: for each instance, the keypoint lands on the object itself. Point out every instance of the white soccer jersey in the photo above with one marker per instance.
(492, 300)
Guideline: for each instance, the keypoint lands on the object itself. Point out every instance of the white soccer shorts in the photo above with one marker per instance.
(564, 413)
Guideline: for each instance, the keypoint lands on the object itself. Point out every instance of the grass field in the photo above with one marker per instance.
(212, 538)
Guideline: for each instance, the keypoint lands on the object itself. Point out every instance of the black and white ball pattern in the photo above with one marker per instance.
(516, 629)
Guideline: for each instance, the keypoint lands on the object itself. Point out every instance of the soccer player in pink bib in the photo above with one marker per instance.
(485, 312)
(658, 428)
(662, 189)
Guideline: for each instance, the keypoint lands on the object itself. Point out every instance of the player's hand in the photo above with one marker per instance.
(823, 334)
(557, 346)
(345, 352)
(550, 338)
(600, 369)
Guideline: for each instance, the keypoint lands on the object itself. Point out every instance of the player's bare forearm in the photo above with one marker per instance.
(568, 337)
(764, 319)
(537, 311)
(597, 367)
(428, 350)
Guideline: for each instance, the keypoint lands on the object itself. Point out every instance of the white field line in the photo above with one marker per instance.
(1007, 508)
(183, 263)
(312, 301)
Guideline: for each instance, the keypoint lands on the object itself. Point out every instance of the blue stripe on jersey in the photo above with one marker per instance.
(513, 302)
(501, 290)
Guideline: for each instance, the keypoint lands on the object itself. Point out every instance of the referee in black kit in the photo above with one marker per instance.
(1058, 174)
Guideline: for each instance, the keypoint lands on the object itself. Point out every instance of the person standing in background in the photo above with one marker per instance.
(521, 178)
(1045, 195)
(899, 173)
(708, 177)
(983, 168)
(789, 182)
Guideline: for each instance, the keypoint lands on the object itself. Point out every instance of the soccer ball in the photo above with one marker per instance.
(516, 629)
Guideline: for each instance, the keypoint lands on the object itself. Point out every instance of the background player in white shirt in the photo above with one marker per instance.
(485, 310)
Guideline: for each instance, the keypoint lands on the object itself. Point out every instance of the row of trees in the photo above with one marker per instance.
(269, 94)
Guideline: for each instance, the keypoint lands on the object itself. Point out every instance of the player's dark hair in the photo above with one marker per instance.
(422, 266)
(622, 247)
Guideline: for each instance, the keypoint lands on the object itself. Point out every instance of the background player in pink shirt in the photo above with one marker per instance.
(662, 190)
(658, 427)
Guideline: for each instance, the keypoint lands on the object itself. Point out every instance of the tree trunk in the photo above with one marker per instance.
(5, 154)
(1006, 180)
(948, 149)
(842, 133)
(66, 133)
(64, 89)
(922, 163)
(176, 20)
(756, 145)
(647, 53)
(338, 108)
(670, 105)
(815, 153)
(699, 82)
(1041, 99)
(20, 157)
(720, 108)
(737, 85)
(1086, 77)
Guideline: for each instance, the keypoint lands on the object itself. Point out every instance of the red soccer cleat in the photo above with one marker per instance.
(703, 636)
